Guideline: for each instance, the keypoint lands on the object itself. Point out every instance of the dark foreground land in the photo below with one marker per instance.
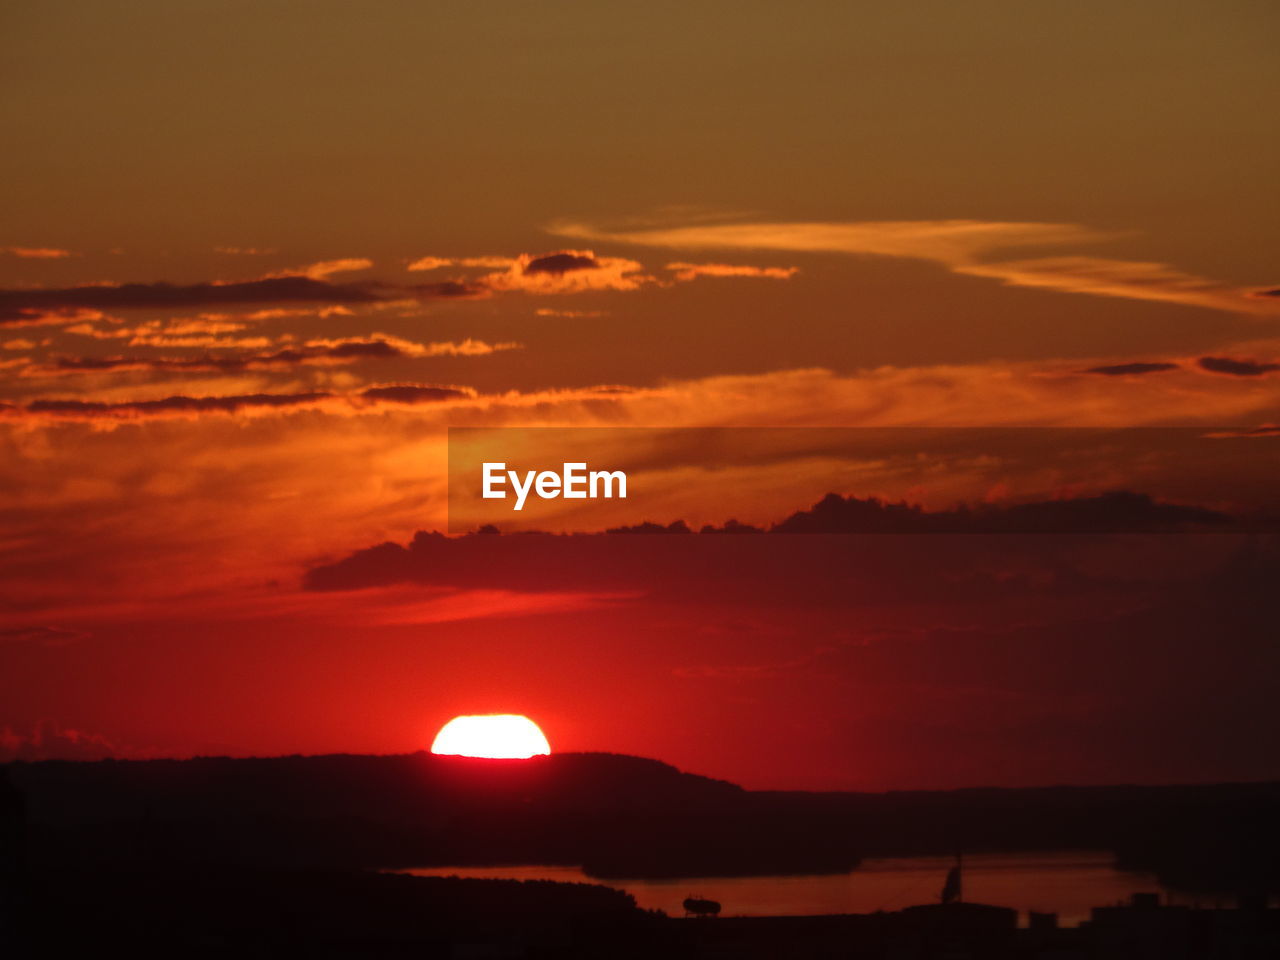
(276, 857)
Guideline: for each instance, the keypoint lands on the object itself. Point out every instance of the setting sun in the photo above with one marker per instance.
(496, 736)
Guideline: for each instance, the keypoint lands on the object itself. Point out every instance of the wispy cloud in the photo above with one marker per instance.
(295, 289)
(983, 394)
(944, 241)
(439, 263)
(1127, 279)
(692, 271)
(319, 352)
(962, 246)
(187, 406)
(36, 253)
(571, 314)
(324, 268)
(56, 317)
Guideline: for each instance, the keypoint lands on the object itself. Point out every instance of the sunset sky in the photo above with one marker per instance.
(257, 257)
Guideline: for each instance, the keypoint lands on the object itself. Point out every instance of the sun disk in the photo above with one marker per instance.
(495, 736)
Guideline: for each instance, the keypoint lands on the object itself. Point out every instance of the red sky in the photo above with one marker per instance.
(259, 263)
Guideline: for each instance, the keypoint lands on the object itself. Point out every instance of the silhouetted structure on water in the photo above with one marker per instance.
(700, 907)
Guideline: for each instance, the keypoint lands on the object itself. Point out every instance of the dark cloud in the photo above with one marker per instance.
(41, 635)
(1236, 368)
(412, 393)
(618, 559)
(342, 351)
(560, 263)
(27, 306)
(1127, 369)
(361, 349)
(49, 741)
(177, 404)
(158, 295)
(184, 405)
(1118, 512)
(446, 289)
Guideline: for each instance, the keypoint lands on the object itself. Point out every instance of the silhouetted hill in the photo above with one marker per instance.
(616, 816)
(221, 912)
(395, 811)
(399, 787)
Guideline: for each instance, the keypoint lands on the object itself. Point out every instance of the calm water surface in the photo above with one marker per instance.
(1064, 882)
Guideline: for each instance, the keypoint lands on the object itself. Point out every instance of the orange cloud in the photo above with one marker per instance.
(563, 271)
(963, 247)
(987, 394)
(323, 269)
(279, 313)
(567, 271)
(202, 331)
(430, 263)
(691, 271)
(465, 348)
(36, 253)
(944, 241)
(32, 317)
(203, 341)
(572, 314)
(1128, 279)
(437, 263)
(140, 481)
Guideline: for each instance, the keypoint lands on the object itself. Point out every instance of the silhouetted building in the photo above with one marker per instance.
(1041, 921)
(1144, 928)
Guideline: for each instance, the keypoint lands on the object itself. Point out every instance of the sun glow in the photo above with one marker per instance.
(496, 736)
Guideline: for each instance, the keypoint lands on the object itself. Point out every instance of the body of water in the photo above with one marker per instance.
(1067, 883)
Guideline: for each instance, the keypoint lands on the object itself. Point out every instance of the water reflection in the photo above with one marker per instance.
(1068, 883)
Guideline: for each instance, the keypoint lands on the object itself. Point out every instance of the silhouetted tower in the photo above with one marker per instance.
(13, 853)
